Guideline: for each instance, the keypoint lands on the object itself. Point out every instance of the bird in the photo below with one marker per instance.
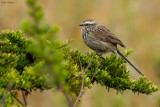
(101, 40)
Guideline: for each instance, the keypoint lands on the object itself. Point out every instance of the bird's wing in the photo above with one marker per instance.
(105, 35)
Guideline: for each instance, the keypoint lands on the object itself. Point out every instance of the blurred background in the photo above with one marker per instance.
(135, 22)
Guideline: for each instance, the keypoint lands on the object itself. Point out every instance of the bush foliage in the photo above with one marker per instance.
(42, 62)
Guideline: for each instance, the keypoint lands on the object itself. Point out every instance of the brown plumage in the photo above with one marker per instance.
(105, 35)
(101, 40)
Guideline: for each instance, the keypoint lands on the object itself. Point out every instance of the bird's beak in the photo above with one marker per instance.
(80, 24)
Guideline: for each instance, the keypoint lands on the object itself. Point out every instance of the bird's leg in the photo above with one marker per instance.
(97, 53)
(100, 55)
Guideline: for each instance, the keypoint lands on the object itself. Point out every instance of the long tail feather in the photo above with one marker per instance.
(122, 56)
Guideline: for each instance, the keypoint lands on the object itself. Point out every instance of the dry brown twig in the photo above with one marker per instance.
(24, 98)
(94, 74)
(19, 101)
(80, 62)
(82, 85)
(69, 99)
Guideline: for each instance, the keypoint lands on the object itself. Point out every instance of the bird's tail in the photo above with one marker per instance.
(122, 56)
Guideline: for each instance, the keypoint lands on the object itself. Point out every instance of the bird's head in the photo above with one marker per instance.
(88, 22)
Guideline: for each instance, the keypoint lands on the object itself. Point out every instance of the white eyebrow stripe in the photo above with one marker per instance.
(89, 22)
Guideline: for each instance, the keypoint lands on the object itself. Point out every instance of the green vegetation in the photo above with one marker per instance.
(43, 62)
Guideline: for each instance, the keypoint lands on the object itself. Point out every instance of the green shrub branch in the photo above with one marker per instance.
(42, 62)
(64, 69)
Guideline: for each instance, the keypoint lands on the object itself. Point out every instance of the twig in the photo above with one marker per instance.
(24, 98)
(94, 74)
(80, 62)
(69, 100)
(19, 101)
(91, 70)
(82, 85)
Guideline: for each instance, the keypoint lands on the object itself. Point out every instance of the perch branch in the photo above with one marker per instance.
(24, 98)
(82, 85)
(80, 62)
(69, 100)
(18, 101)
(94, 74)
